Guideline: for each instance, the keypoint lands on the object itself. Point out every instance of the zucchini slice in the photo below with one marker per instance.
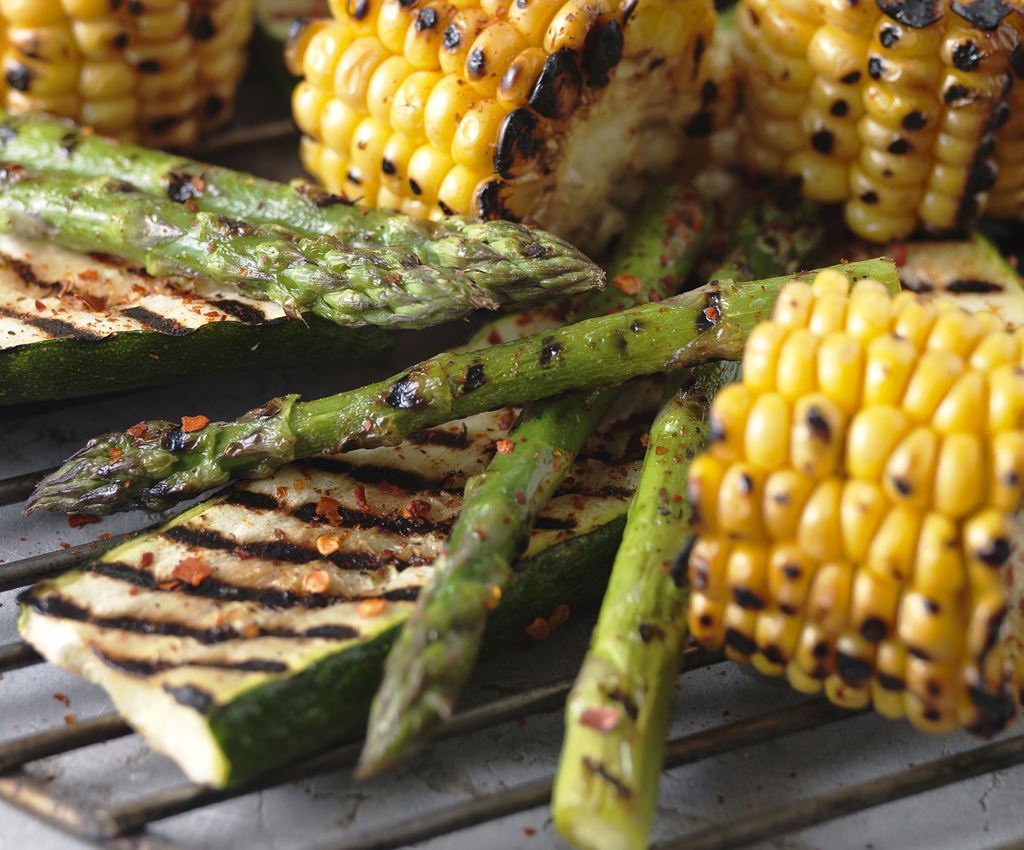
(73, 324)
(251, 630)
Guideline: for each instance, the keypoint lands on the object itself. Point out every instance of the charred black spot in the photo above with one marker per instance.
(903, 487)
(969, 285)
(602, 51)
(158, 323)
(649, 631)
(515, 141)
(710, 312)
(181, 187)
(706, 620)
(740, 642)
(476, 64)
(1000, 115)
(931, 606)
(888, 35)
(358, 9)
(550, 351)
(996, 711)
(402, 594)
(148, 66)
(457, 438)
(18, 76)
(475, 378)
(175, 440)
(245, 313)
(996, 553)
(681, 562)
(747, 599)
(913, 13)
(918, 652)
(822, 141)
(899, 147)
(874, 630)
(746, 484)
(452, 38)
(982, 176)
(700, 125)
(557, 89)
(535, 251)
(415, 187)
(404, 394)
(773, 654)
(699, 46)
(914, 120)
(57, 328)
(891, 683)
(792, 571)
(165, 124)
(818, 424)
(839, 108)
(708, 92)
(447, 210)
(489, 201)
(931, 714)
(984, 14)
(876, 67)
(387, 166)
(597, 768)
(854, 671)
(426, 19)
(120, 40)
(820, 650)
(851, 78)
(966, 56)
(870, 197)
(136, 7)
(202, 28)
(956, 92)
(191, 696)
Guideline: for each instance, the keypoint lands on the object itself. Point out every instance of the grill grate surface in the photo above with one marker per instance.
(126, 825)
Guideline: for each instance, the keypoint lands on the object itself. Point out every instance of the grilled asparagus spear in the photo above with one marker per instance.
(498, 254)
(438, 646)
(155, 464)
(349, 286)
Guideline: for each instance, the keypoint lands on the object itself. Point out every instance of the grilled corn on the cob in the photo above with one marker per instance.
(856, 505)
(156, 71)
(901, 109)
(560, 112)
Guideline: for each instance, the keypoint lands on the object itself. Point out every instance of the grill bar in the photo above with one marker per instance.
(855, 798)
(14, 656)
(690, 748)
(19, 487)
(236, 137)
(52, 742)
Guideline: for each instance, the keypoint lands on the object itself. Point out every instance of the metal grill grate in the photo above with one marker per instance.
(126, 826)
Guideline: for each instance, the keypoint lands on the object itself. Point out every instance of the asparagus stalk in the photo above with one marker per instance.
(438, 646)
(156, 464)
(349, 286)
(618, 710)
(498, 254)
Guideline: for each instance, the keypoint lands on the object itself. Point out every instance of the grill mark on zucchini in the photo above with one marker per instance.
(395, 523)
(197, 698)
(279, 550)
(251, 499)
(146, 667)
(56, 328)
(441, 437)
(26, 274)
(55, 605)
(245, 313)
(375, 475)
(156, 322)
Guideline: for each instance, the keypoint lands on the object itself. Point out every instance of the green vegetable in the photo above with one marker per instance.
(500, 256)
(438, 645)
(165, 463)
(348, 286)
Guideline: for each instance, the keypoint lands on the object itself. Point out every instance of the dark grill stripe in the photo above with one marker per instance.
(245, 313)
(144, 667)
(54, 605)
(551, 523)
(374, 475)
(25, 272)
(441, 437)
(395, 523)
(251, 499)
(56, 328)
(278, 550)
(158, 323)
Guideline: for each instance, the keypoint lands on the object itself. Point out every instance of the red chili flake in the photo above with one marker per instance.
(360, 493)
(40, 306)
(146, 560)
(520, 497)
(193, 423)
(69, 719)
(711, 314)
(211, 314)
(600, 719)
(299, 485)
(105, 535)
(507, 418)
(504, 447)
(899, 254)
(138, 430)
(192, 570)
(558, 616)
(63, 699)
(367, 425)
(627, 284)
(114, 452)
(88, 274)
(494, 338)
(538, 629)
(241, 554)
(645, 439)
(139, 290)
(169, 585)
(415, 509)
(660, 450)
(316, 581)
(523, 319)
(677, 497)
(579, 502)
(78, 520)
(529, 831)
(391, 489)
(371, 607)
(250, 631)
(327, 508)
(93, 302)
(64, 545)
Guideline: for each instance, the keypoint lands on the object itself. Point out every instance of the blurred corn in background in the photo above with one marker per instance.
(159, 72)
(558, 112)
(908, 111)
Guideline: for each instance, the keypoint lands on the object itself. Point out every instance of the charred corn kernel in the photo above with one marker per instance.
(906, 119)
(144, 74)
(871, 549)
(544, 109)
(706, 619)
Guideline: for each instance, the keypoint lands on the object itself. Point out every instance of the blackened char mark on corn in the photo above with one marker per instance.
(916, 14)
(984, 14)
(56, 328)
(557, 91)
(515, 144)
(602, 51)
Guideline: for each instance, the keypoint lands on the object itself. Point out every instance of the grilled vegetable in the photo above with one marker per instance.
(161, 72)
(897, 109)
(617, 713)
(252, 629)
(498, 254)
(562, 112)
(158, 463)
(346, 285)
(438, 646)
(855, 509)
(74, 324)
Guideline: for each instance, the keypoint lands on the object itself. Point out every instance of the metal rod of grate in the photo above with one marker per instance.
(17, 488)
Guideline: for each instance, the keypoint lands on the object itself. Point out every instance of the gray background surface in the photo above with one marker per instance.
(981, 813)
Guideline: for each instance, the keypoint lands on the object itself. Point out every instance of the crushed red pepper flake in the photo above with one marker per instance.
(391, 489)
(711, 314)
(415, 509)
(146, 560)
(660, 450)
(95, 303)
(193, 571)
(169, 585)
(138, 430)
(520, 497)
(578, 502)
(538, 629)
(78, 520)
(63, 699)
(69, 719)
(241, 554)
(360, 493)
(250, 631)
(627, 284)
(316, 581)
(371, 608)
(88, 274)
(645, 439)
(558, 616)
(504, 447)
(40, 306)
(603, 719)
(494, 338)
(114, 452)
(193, 423)
(507, 419)
(327, 508)
(327, 545)
(529, 831)
(493, 597)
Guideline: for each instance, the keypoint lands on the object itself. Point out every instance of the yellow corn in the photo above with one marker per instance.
(912, 117)
(855, 532)
(160, 72)
(559, 112)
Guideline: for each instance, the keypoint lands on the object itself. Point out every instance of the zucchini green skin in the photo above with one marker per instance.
(56, 369)
(328, 702)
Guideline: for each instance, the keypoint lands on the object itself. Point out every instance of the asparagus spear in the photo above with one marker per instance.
(156, 464)
(350, 286)
(438, 646)
(499, 254)
(618, 710)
